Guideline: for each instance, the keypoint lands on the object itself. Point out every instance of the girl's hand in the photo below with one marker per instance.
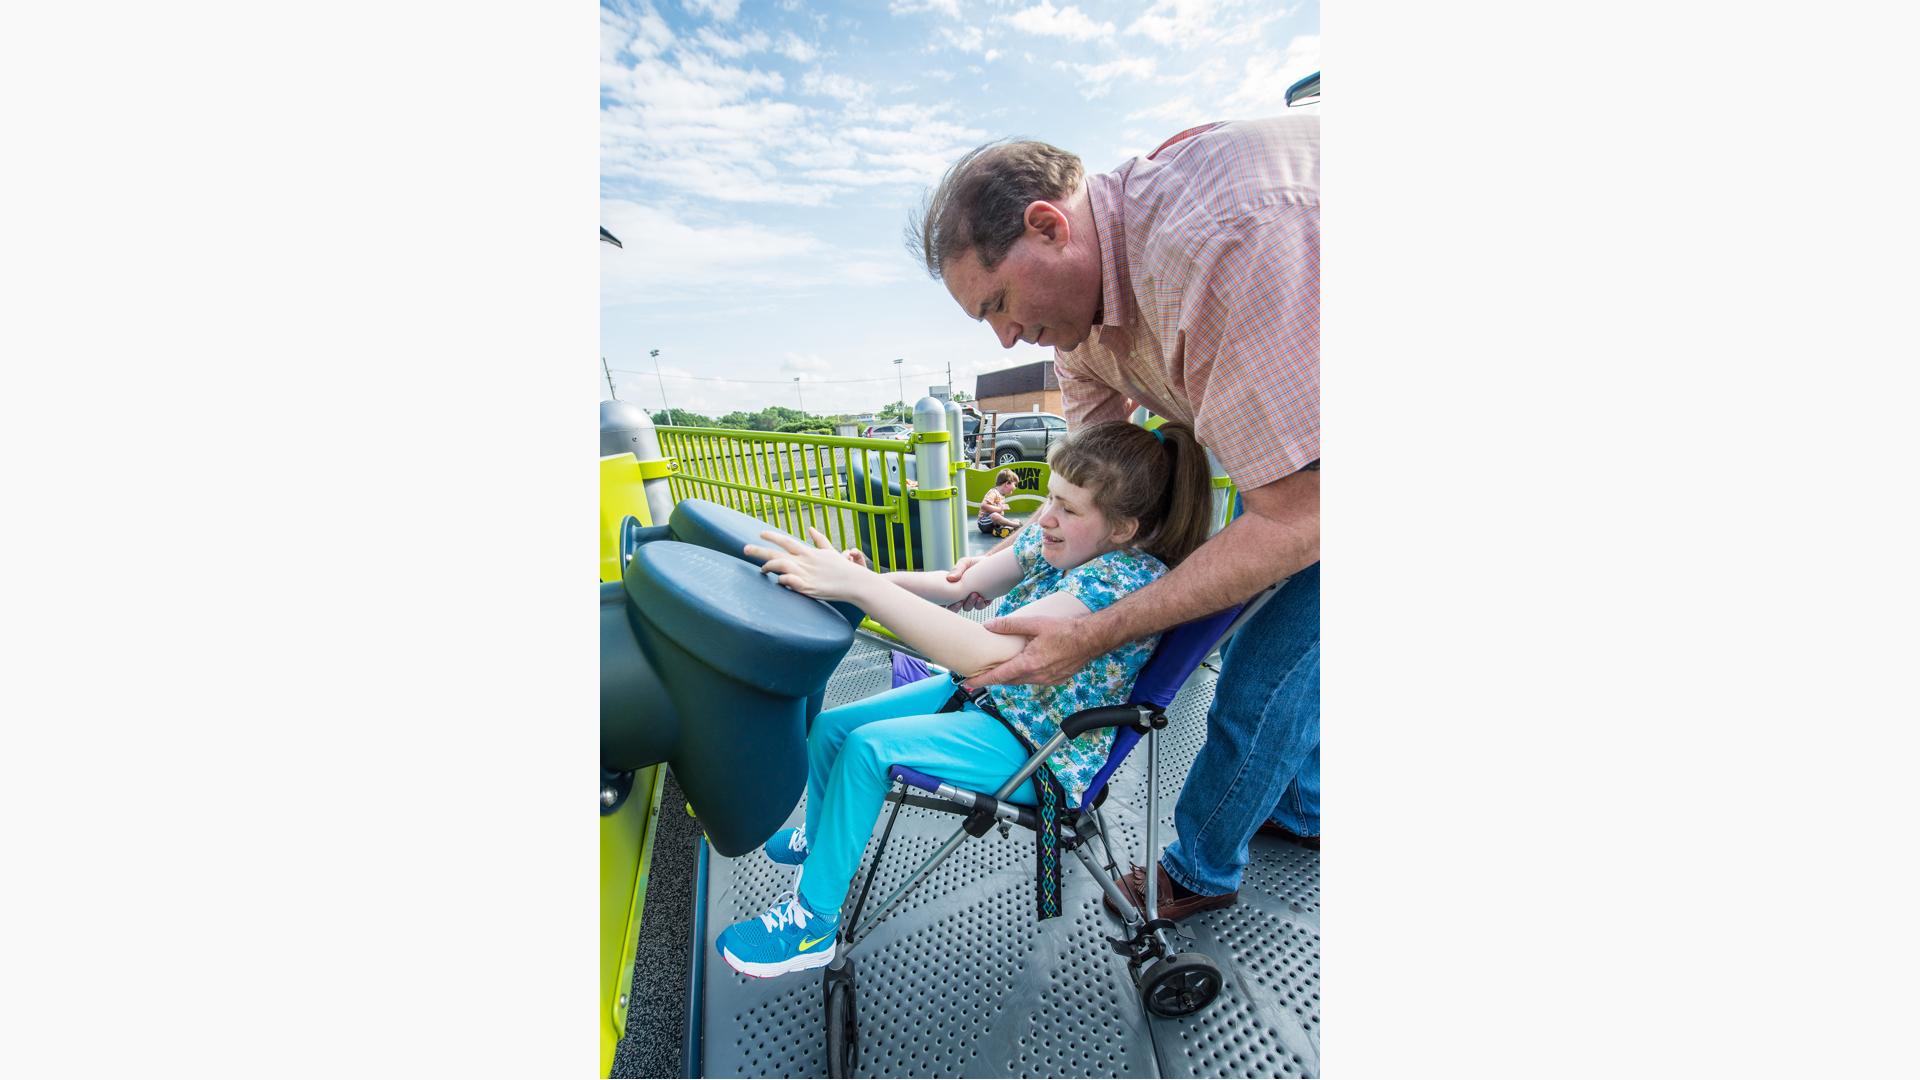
(817, 571)
(856, 557)
(972, 601)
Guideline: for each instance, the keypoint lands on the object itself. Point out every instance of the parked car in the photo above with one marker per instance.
(887, 431)
(1026, 436)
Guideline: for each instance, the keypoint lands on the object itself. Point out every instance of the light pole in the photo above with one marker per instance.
(899, 374)
(655, 353)
(797, 391)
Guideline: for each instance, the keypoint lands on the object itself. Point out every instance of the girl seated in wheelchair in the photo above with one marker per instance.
(1122, 506)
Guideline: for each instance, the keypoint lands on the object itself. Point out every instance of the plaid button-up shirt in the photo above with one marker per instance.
(1210, 292)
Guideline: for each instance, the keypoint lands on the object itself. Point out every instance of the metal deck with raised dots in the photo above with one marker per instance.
(961, 981)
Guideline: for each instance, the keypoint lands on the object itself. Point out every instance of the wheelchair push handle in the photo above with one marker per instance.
(1139, 717)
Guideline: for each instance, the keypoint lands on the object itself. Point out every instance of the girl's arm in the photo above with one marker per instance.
(947, 638)
(990, 577)
(950, 639)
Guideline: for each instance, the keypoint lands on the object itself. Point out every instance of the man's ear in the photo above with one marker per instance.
(1049, 221)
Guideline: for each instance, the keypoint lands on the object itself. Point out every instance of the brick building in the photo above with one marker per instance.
(1026, 388)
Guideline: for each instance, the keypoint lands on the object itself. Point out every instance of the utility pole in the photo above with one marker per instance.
(796, 390)
(610, 390)
(655, 353)
(900, 377)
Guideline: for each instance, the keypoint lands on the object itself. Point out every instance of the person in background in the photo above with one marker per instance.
(1188, 281)
(993, 505)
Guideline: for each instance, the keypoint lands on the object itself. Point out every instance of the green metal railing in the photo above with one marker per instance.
(1224, 493)
(794, 481)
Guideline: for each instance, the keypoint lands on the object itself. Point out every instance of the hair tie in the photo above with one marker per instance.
(1159, 438)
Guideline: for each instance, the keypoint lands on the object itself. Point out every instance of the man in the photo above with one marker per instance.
(1187, 281)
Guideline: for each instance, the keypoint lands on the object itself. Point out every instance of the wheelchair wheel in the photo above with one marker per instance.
(1180, 985)
(843, 1029)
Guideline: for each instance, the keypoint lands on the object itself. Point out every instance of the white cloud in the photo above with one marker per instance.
(658, 108)
(667, 254)
(834, 85)
(732, 48)
(797, 50)
(1068, 22)
(1178, 107)
(990, 55)
(1097, 79)
(665, 250)
(755, 142)
(1189, 24)
(720, 10)
(643, 34)
(1264, 81)
(966, 39)
(805, 364)
(905, 113)
(949, 8)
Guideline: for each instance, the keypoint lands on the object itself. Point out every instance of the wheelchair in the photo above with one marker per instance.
(1170, 983)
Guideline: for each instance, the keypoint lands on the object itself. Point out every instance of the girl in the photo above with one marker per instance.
(1123, 504)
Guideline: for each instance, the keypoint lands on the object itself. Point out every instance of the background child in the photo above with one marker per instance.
(993, 505)
(1123, 504)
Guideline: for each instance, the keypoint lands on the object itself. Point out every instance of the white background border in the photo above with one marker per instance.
(1620, 548)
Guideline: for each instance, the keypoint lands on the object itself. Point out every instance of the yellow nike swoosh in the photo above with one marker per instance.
(805, 944)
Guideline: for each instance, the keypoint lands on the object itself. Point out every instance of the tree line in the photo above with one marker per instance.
(780, 418)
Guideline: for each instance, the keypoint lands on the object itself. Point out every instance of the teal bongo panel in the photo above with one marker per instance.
(712, 666)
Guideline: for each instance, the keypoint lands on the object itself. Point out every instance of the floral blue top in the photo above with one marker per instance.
(1038, 710)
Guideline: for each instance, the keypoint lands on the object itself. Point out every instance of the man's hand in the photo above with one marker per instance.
(973, 601)
(1057, 648)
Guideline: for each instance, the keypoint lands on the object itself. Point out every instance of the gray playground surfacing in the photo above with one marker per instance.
(960, 980)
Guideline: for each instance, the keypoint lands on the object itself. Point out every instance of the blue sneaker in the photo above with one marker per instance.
(788, 847)
(787, 938)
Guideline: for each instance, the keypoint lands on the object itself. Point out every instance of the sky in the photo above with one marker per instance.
(760, 160)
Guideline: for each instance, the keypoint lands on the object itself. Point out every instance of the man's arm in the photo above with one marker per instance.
(1279, 535)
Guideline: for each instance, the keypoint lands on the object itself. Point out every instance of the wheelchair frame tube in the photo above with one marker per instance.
(953, 842)
(1121, 901)
(1153, 826)
(855, 935)
(1032, 766)
(857, 932)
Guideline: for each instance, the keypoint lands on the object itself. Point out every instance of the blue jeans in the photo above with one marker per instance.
(1261, 761)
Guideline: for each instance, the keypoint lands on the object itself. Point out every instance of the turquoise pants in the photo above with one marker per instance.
(849, 751)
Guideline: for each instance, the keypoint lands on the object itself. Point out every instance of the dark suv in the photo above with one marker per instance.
(1026, 436)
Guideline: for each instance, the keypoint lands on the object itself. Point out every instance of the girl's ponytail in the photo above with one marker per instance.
(1158, 478)
(1188, 512)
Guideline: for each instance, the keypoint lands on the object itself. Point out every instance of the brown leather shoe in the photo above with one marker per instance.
(1268, 828)
(1171, 908)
